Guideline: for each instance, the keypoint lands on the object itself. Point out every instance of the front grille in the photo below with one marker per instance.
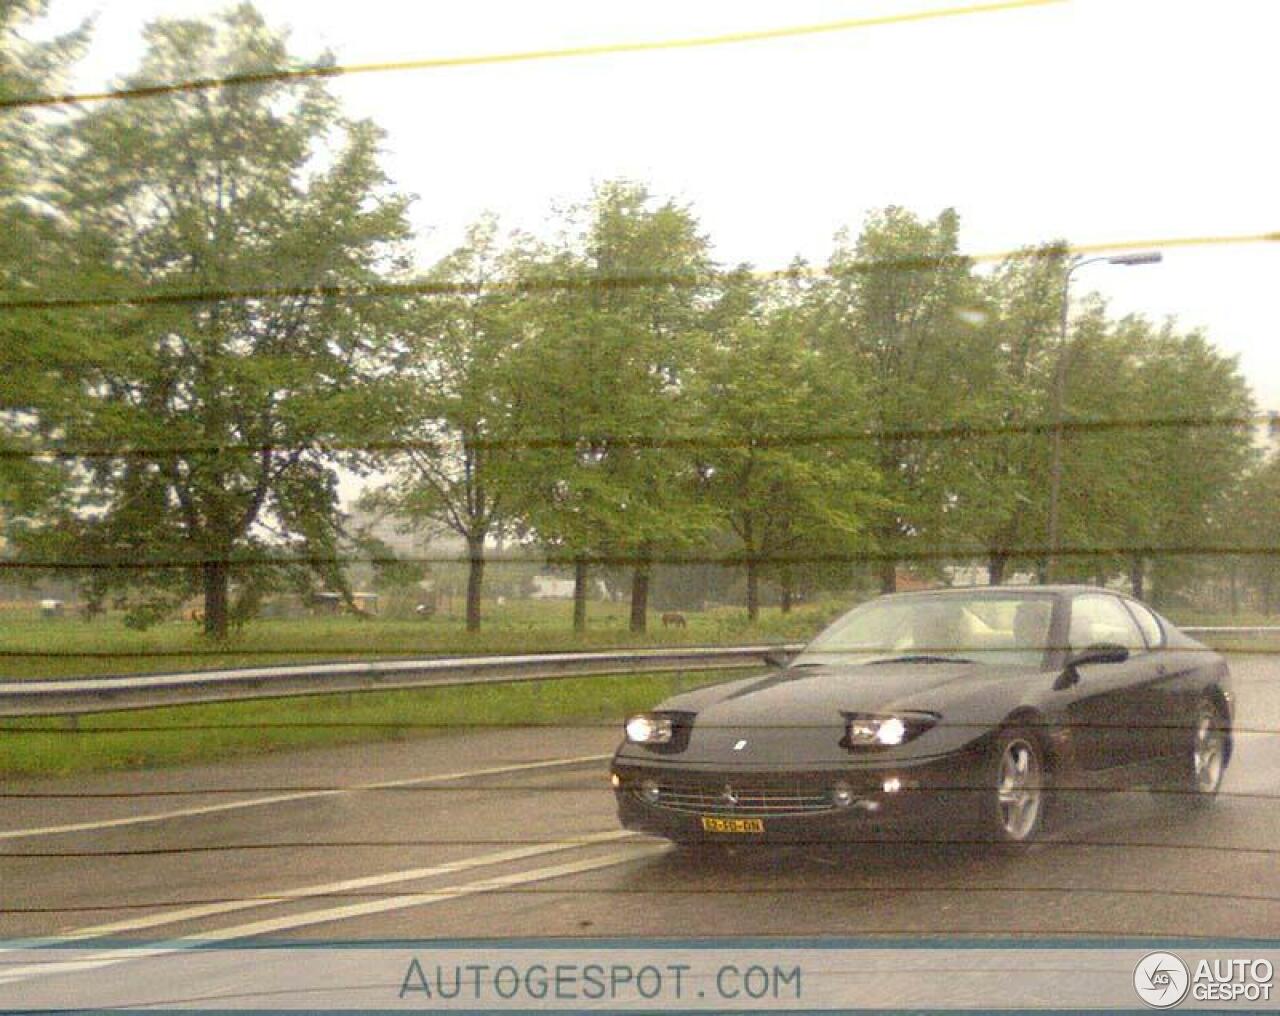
(711, 799)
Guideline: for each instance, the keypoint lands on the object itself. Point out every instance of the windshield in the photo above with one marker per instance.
(1008, 630)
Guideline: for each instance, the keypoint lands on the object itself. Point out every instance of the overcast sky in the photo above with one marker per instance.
(1097, 120)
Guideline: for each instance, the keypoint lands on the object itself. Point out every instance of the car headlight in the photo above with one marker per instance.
(648, 728)
(864, 730)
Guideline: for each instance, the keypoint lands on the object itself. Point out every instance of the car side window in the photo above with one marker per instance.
(1148, 623)
(1102, 618)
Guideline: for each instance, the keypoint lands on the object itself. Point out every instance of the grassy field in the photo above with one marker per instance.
(36, 647)
(58, 746)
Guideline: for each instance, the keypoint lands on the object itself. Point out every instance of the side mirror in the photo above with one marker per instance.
(1099, 652)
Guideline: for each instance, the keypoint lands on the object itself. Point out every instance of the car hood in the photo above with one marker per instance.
(797, 716)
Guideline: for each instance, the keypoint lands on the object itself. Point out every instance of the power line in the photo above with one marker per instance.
(1211, 848)
(523, 724)
(666, 890)
(734, 559)
(356, 654)
(525, 56)
(598, 786)
(958, 431)
(633, 280)
(351, 653)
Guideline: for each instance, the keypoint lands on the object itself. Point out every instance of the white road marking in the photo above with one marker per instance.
(346, 912)
(332, 888)
(301, 795)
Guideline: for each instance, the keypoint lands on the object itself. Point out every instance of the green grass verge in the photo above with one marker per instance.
(178, 735)
(33, 647)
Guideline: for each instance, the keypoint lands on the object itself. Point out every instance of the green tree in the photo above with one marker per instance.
(459, 443)
(770, 403)
(1256, 526)
(1153, 450)
(1188, 465)
(220, 419)
(1100, 497)
(39, 350)
(1002, 506)
(604, 375)
(896, 310)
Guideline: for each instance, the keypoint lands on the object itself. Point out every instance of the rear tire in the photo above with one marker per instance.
(1199, 769)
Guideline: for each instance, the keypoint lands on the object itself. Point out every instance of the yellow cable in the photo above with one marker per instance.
(924, 262)
(603, 49)
(635, 279)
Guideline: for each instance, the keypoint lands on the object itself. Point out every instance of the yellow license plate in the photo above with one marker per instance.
(732, 825)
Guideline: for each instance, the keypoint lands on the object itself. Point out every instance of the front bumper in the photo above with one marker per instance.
(938, 797)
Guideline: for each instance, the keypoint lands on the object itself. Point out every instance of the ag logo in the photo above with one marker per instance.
(1161, 980)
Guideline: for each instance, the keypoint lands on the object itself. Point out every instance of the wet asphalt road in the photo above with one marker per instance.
(513, 833)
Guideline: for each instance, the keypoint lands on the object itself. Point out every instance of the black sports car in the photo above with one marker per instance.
(953, 708)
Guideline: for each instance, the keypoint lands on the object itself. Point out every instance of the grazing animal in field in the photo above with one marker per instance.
(672, 619)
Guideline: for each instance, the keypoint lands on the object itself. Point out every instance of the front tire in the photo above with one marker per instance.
(1017, 800)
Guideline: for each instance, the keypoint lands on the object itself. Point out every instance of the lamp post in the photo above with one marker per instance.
(1060, 390)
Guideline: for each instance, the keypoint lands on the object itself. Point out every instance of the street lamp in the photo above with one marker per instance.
(1149, 257)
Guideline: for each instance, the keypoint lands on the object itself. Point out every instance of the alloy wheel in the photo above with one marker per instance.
(1019, 789)
(1208, 755)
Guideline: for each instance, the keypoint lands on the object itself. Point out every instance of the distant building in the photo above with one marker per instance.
(551, 587)
(980, 575)
(548, 587)
(325, 602)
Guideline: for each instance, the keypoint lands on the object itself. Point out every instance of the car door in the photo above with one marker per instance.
(1172, 696)
(1110, 707)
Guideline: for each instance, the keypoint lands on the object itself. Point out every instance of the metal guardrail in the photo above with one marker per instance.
(75, 696)
(1194, 630)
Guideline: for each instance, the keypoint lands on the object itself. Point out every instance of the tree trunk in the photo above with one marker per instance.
(1234, 586)
(217, 580)
(888, 576)
(475, 582)
(753, 589)
(1136, 584)
(579, 594)
(785, 601)
(995, 567)
(640, 592)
